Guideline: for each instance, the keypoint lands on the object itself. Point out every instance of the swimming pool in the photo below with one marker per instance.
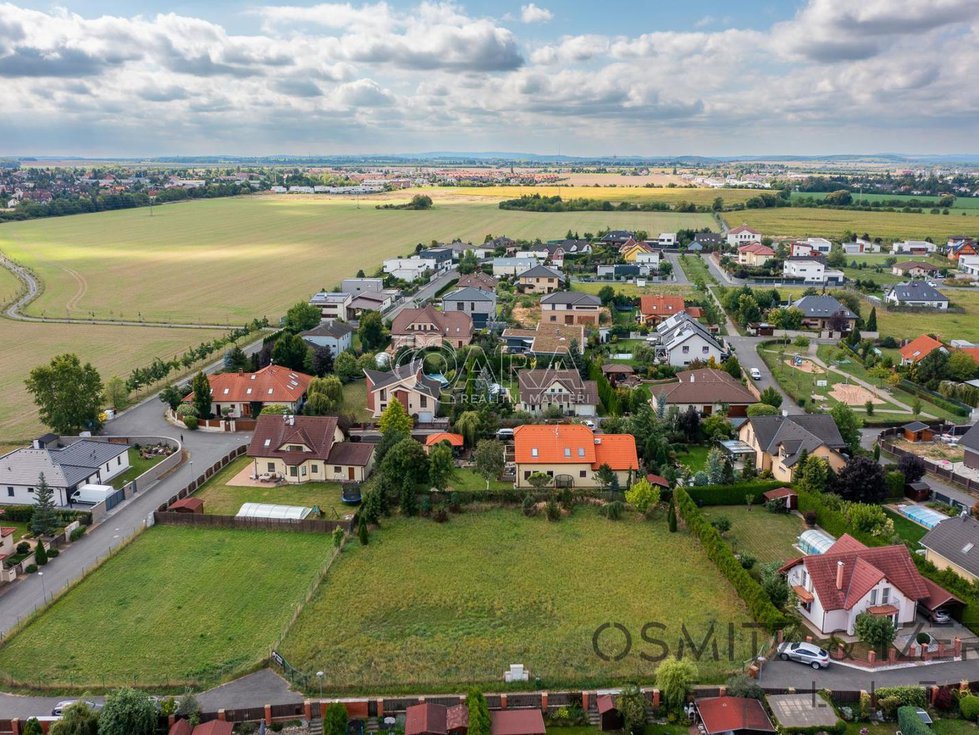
(922, 514)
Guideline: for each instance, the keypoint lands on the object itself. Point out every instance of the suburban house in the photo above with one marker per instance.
(754, 254)
(571, 307)
(407, 269)
(428, 327)
(960, 245)
(742, 236)
(546, 339)
(629, 252)
(918, 348)
(917, 294)
(821, 312)
(706, 241)
(357, 286)
(619, 271)
(429, 718)
(810, 270)
(954, 544)
(337, 337)
(571, 454)
(860, 247)
(408, 384)
(914, 269)
(332, 305)
(480, 305)
(302, 449)
(917, 247)
(512, 266)
(654, 308)
(650, 259)
(478, 279)
(371, 301)
(238, 395)
(683, 340)
(617, 237)
(438, 258)
(778, 442)
(851, 579)
(800, 249)
(666, 240)
(546, 388)
(970, 444)
(733, 716)
(65, 469)
(708, 390)
(308, 449)
(540, 279)
(969, 264)
(820, 245)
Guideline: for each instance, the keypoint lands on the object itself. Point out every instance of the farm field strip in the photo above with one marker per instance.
(832, 223)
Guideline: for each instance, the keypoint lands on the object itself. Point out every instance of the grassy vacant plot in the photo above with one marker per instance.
(230, 260)
(946, 326)
(223, 499)
(137, 466)
(799, 222)
(429, 606)
(766, 536)
(908, 530)
(178, 605)
(113, 350)
(355, 400)
(631, 289)
(468, 479)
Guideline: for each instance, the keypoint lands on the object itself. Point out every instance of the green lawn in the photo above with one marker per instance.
(766, 536)
(909, 531)
(137, 466)
(631, 289)
(944, 325)
(695, 269)
(694, 457)
(177, 606)
(955, 727)
(223, 499)
(433, 607)
(468, 479)
(355, 400)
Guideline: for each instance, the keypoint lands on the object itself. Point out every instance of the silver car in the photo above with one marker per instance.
(60, 707)
(804, 653)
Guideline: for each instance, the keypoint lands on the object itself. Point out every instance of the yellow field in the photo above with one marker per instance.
(113, 350)
(634, 193)
(832, 223)
(226, 261)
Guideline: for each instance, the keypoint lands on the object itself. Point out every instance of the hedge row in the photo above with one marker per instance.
(833, 521)
(910, 723)
(732, 494)
(760, 607)
(515, 496)
(947, 404)
(909, 696)
(23, 513)
(966, 591)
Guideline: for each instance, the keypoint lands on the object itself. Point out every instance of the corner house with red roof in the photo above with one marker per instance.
(833, 588)
(308, 449)
(572, 454)
(235, 395)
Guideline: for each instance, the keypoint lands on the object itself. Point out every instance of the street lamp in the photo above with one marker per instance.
(44, 594)
(319, 675)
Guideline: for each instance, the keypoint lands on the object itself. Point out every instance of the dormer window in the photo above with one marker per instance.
(534, 452)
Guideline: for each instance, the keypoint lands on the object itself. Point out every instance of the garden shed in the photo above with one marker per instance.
(609, 716)
(785, 494)
(187, 505)
(918, 431)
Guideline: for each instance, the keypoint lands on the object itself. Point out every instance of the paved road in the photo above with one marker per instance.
(719, 273)
(427, 291)
(681, 277)
(791, 674)
(13, 311)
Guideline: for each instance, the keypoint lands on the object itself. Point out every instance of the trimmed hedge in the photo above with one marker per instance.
(910, 723)
(948, 404)
(966, 591)
(833, 521)
(909, 696)
(760, 607)
(731, 494)
(23, 513)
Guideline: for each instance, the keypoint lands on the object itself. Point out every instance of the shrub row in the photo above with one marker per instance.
(732, 494)
(910, 723)
(833, 521)
(836, 729)
(947, 404)
(23, 513)
(760, 607)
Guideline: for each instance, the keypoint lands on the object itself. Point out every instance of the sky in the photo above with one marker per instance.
(615, 77)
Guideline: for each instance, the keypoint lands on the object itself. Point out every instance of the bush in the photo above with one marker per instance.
(76, 533)
(909, 722)
(731, 494)
(894, 480)
(969, 707)
(30, 568)
(23, 548)
(553, 510)
(740, 685)
(776, 505)
(910, 696)
(53, 553)
(441, 513)
(613, 511)
(722, 524)
(529, 505)
(809, 517)
(40, 554)
(746, 559)
(191, 423)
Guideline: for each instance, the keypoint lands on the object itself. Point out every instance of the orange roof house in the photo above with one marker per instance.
(653, 308)
(919, 348)
(233, 394)
(571, 454)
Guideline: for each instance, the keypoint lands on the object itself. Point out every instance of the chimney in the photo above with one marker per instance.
(693, 378)
(839, 575)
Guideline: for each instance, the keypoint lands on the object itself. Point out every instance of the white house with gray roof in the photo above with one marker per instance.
(683, 340)
(65, 470)
(337, 337)
(477, 303)
(571, 307)
(918, 294)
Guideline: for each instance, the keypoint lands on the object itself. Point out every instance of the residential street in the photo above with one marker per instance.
(778, 674)
(678, 274)
(427, 291)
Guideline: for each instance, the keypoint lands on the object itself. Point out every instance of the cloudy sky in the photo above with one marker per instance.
(659, 77)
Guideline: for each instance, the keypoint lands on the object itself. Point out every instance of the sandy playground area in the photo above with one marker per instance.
(806, 366)
(853, 395)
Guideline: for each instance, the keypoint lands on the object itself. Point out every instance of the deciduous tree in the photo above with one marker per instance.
(861, 480)
(127, 712)
(674, 679)
(68, 394)
(441, 465)
(302, 316)
(371, 331)
(489, 457)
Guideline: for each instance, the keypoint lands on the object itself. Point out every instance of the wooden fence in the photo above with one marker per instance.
(196, 483)
(305, 525)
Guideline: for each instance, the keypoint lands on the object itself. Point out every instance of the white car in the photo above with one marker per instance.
(804, 653)
(589, 423)
(60, 707)
(755, 374)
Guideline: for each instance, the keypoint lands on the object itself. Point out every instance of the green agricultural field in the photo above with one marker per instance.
(113, 350)
(766, 536)
(230, 260)
(832, 223)
(945, 326)
(930, 201)
(178, 606)
(223, 499)
(434, 607)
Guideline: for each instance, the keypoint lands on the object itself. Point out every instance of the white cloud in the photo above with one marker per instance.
(532, 13)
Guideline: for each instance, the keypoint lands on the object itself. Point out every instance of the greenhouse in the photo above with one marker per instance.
(279, 512)
(814, 541)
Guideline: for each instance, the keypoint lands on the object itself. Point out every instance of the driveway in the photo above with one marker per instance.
(783, 674)
(678, 274)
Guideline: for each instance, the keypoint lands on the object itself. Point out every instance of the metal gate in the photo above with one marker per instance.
(113, 500)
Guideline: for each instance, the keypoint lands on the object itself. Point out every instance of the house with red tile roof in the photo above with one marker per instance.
(917, 349)
(850, 579)
(308, 449)
(572, 454)
(754, 254)
(430, 718)
(427, 327)
(235, 395)
(737, 715)
(654, 308)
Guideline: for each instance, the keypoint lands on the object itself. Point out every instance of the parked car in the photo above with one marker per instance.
(504, 434)
(804, 653)
(60, 707)
(755, 374)
(589, 423)
(939, 616)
